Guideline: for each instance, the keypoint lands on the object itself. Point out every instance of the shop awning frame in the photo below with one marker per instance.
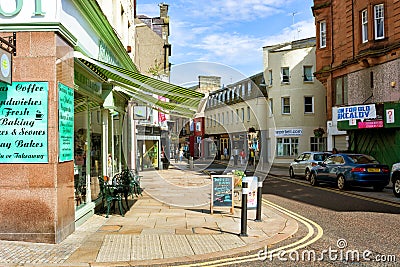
(141, 87)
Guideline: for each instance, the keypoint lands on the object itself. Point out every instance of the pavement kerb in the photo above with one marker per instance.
(290, 229)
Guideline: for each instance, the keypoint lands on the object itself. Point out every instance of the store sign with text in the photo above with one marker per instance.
(23, 122)
(5, 66)
(361, 112)
(289, 132)
(65, 122)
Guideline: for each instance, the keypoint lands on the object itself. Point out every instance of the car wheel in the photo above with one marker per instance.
(341, 182)
(308, 175)
(396, 187)
(313, 179)
(378, 188)
(291, 172)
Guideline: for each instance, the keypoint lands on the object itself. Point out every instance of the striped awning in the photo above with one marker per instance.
(183, 101)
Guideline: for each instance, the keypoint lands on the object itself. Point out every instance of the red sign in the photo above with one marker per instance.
(370, 124)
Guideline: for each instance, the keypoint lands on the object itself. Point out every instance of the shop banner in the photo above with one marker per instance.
(361, 112)
(23, 122)
(65, 122)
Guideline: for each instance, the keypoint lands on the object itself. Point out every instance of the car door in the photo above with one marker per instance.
(325, 168)
(297, 163)
(303, 163)
(335, 168)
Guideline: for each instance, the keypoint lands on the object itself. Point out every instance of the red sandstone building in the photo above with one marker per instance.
(358, 49)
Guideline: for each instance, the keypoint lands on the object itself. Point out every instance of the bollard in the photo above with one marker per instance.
(191, 165)
(245, 193)
(259, 200)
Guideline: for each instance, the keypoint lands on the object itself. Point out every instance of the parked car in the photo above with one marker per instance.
(302, 165)
(351, 169)
(395, 177)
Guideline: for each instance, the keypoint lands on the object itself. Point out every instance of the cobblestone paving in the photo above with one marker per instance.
(39, 253)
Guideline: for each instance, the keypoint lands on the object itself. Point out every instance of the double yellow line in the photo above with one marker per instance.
(310, 238)
(344, 193)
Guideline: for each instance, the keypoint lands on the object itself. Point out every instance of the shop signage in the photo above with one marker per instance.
(390, 115)
(222, 191)
(252, 182)
(65, 122)
(5, 66)
(15, 7)
(370, 124)
(23, 122)
(289, 132)
(139, 112)
(361, 112)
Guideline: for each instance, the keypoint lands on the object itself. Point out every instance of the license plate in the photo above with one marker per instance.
(374, 170)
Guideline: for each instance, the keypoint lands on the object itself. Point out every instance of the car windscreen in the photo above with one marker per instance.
(363, 159)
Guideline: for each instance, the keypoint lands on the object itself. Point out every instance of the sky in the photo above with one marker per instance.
(225, 37)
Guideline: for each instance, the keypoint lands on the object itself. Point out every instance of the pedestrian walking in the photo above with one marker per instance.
(235, 156)
(242, 157)
(226, 153)
(180, 155)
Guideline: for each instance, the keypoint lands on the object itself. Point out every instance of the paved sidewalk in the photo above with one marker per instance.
(170, 223)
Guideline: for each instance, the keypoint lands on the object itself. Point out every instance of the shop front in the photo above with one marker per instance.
(372, 129)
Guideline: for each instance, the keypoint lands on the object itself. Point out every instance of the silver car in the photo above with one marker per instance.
(302, 165)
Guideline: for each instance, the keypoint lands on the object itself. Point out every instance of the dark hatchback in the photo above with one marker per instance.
(351, 170)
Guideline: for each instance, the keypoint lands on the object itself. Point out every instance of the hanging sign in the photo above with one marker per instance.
(65, 122)
(5, 66)
(23, 122)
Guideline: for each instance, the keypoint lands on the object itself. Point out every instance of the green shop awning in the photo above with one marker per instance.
(183, 101)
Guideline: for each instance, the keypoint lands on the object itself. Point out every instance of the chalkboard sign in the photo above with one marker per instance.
(222, 191)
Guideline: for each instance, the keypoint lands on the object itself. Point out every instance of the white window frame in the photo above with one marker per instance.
(287, 146)
(379, 21)
(308, 78)
(364, 26)
(269, 77)
(249, 88)
(271, 107)
(312, 105)
(284, 105)
(284, 79)
(322, 34)
(318, 143)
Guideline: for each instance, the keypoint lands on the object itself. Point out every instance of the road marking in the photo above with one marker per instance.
(305, 241)
(355, 195)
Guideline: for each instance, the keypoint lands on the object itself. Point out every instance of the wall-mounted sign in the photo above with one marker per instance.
(361, 112)
(65, 122)
(390, 115)
(370, 124)
(5, 66)
(289, 132)
(140, 113)
(23, 122)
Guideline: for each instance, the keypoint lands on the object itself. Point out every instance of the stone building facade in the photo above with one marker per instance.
(357, 53)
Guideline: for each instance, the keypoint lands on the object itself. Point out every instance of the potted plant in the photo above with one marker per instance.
(238, 176)
(319, 132)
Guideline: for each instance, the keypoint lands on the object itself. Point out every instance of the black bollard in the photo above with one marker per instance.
(259, 200)
(245, 192)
